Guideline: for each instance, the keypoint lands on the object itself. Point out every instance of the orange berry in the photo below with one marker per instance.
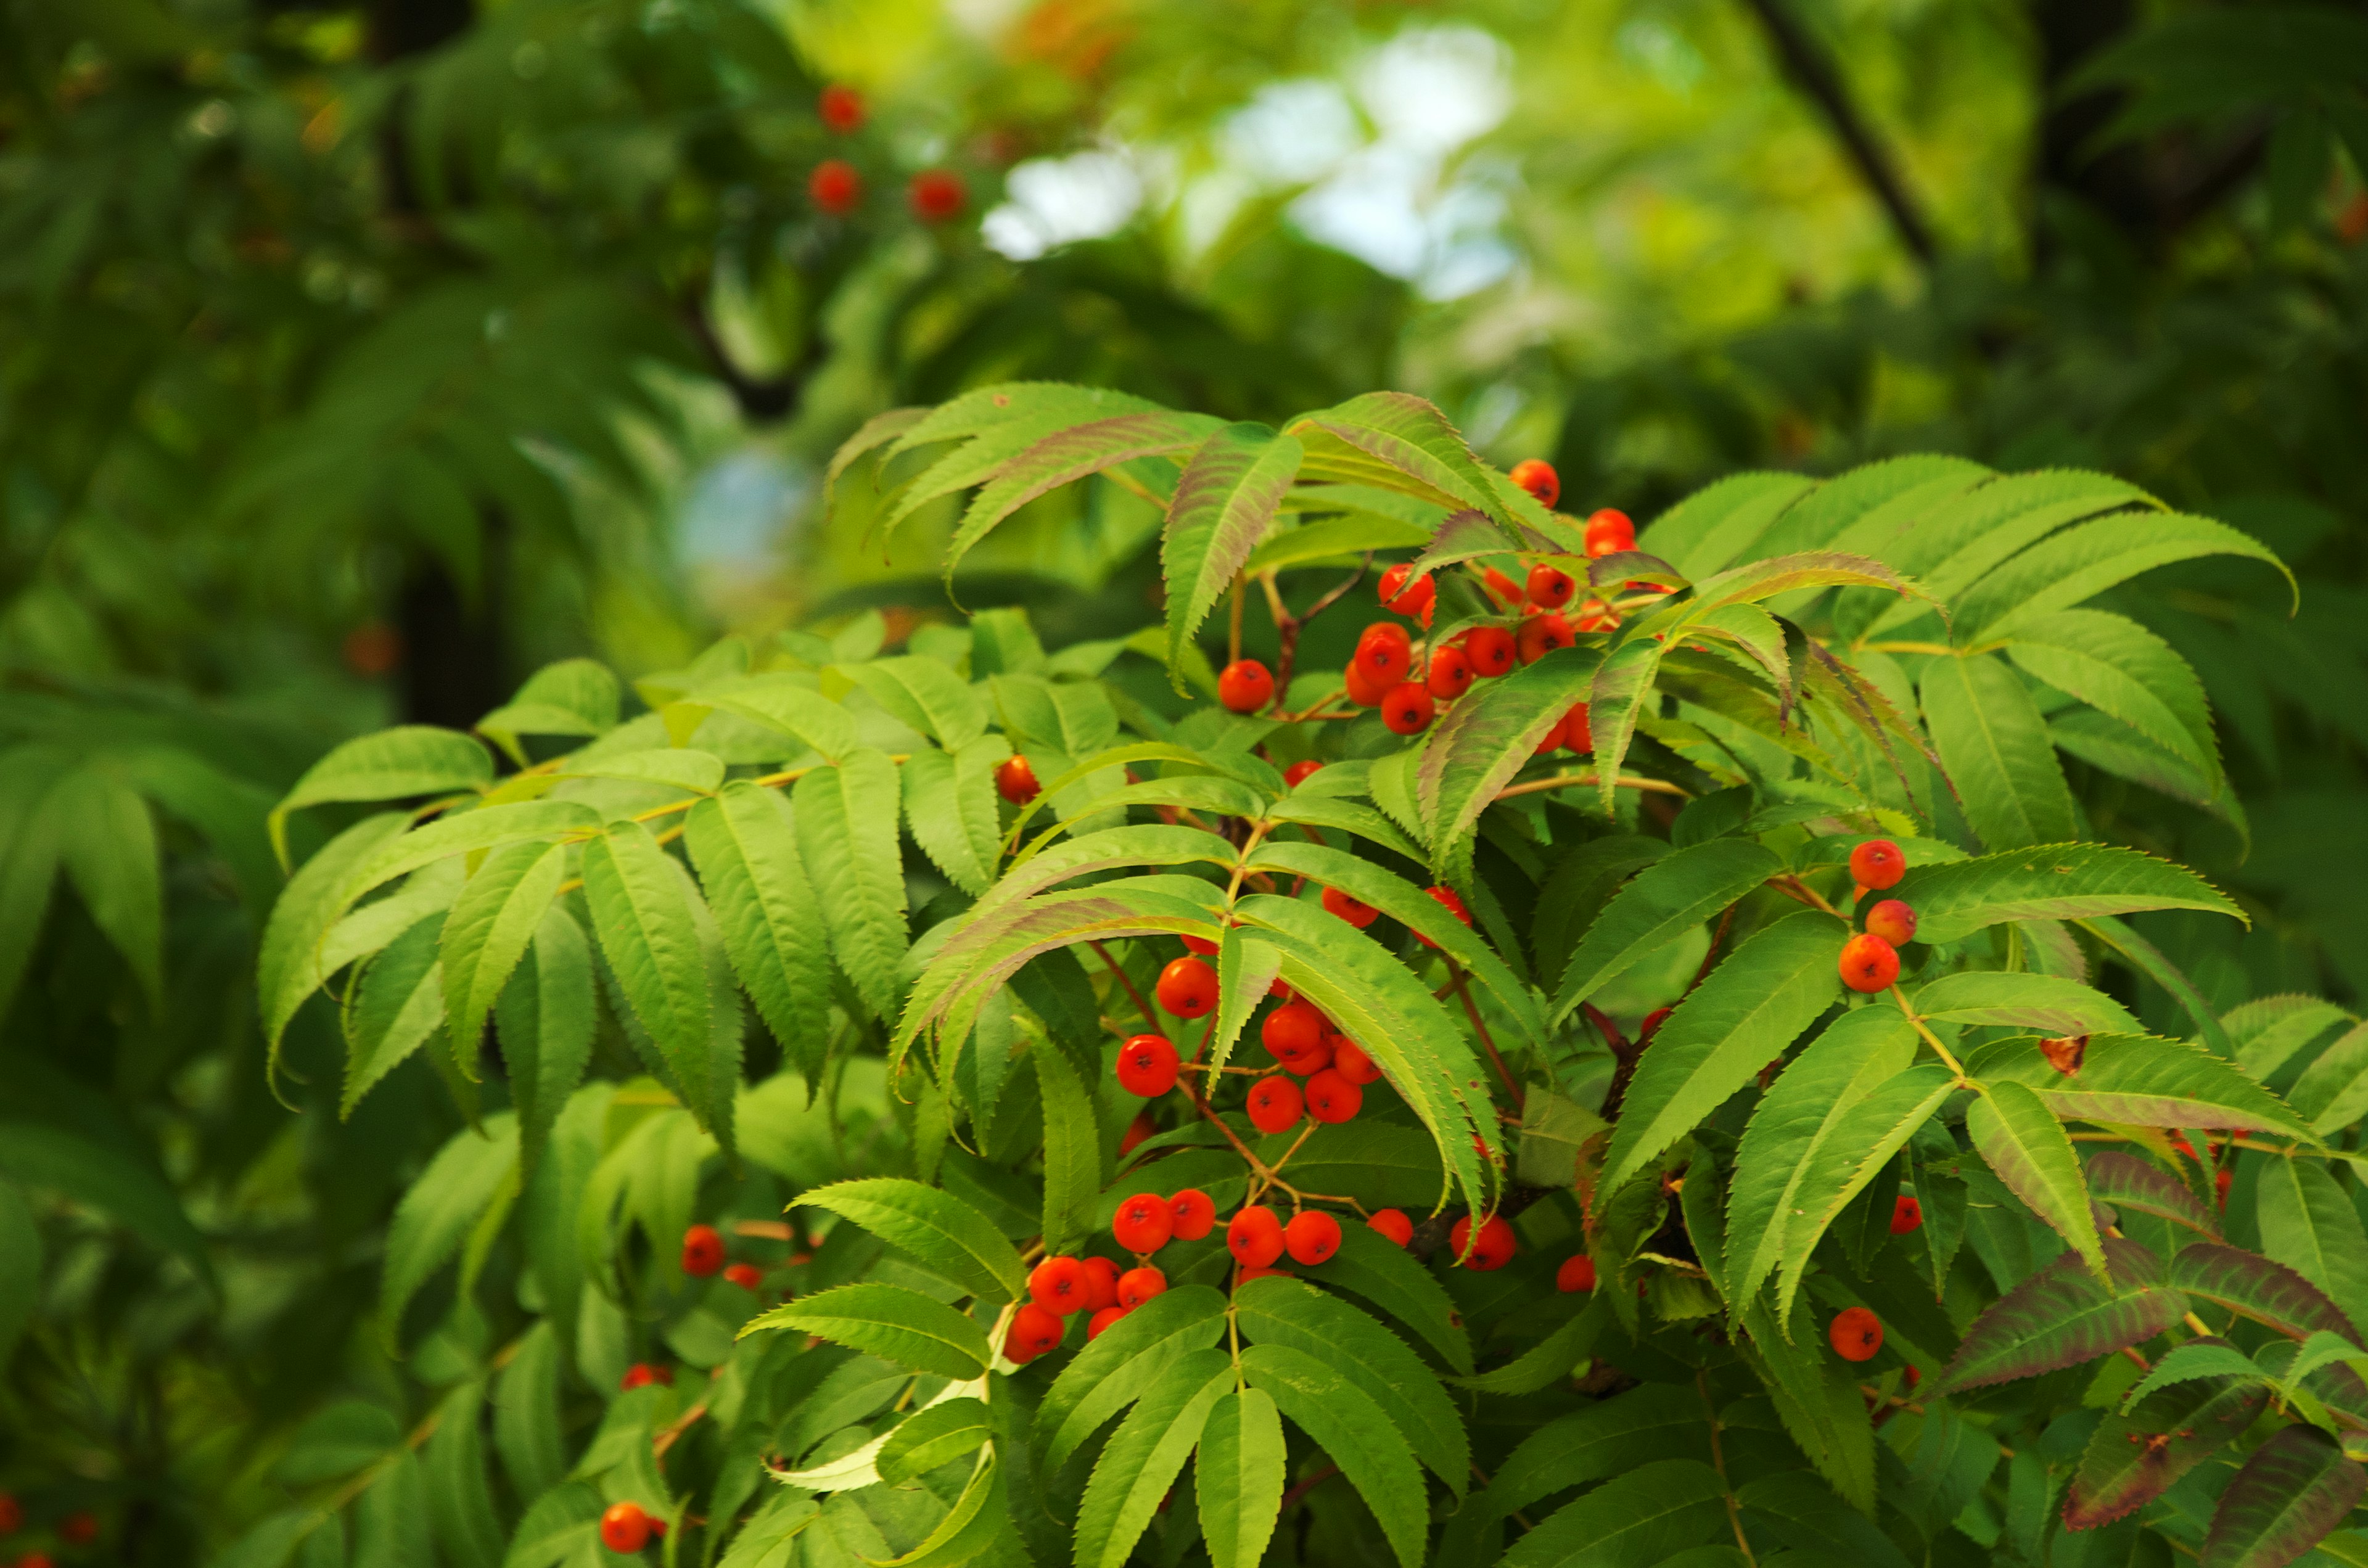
(1892, 921)
(1016, 781)
(1538, 477)
(1141, 1128)
(1384, 654)
(1137, 1286)
(1033, 1332)
(748, 1276)
(1856, 1333)
(12, 1515)
(1253, 1236)
(1349, 1060)
(937, 194)
(1102, 1320)
(78, 1529)
(1494, 1247)
(1577, 735)
(834, 185)
(1392, 1224)
(1311, 1237)
(1869, 964)
(1308, 1062)
(1490, 650)
(1058, 1285)
(1550, 587)
(1292, 1029)
(1906, 1214)
(841, 108)
(1332, 1098)
(1296, 773)
(1407, 708)
(702, 1251)
(1577, 1274)
(1408, 598)
(1540, 635)
(1877, 863)
(1363, 690)
(640, 1374)
(1447, 900)
(1143, 1223)
(1188, 988)
(1101, 1283)
(1274, 1104)
(1449, 675)
(1245, 686)
(1191, 1214)
(1358, 914)
(1609, 532)
(625, 1528)
(1147, 1062)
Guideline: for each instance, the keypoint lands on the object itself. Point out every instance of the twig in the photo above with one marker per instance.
(1287, 627)
(1794, 888)
(1308, 1485)
(1718, 1462)
(1141, 1005)
(1464, 994)
(1569, 780)
(1930, 1037)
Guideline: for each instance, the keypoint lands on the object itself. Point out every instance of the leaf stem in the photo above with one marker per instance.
(1930, 1037)
(1571, 780)
(1464, 994)
(1718, 1461)
(1141, 1005)
(1794, 888)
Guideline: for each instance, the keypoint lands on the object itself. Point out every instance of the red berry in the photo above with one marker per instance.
(1404, 597)
(1147, 1062)
(1609, 532)
(1877, 863)
(702, 1251)
(1501, 588)
(1856, 1333)
(1576, 736)
(1892, 921)
(1652, 1024)
(1292, 1029)
(1296, 773)
(1552, 739)
(1016, 781)
(1493, 1249)
(1384, 654)
(1059, 1285)
(2221, 1183)
(1392, 1224)
(1348, 1060)
(12, 1515)
(1200, 946)
(1331, 1098)
(1407, 708)
(1914, 1377)
(624, 1528)
(1274, 1104)
(1537, 476)
(1540, 635)
(1363, 690)
(1191, 1214)
(748, 1276)
(1253, 1236)
(640, 1374)
(1137, 1286)
(1312, 1236)
(1869, 964)
(36, 1560)
(1490, 650)
(1906, 1214)
(1101, 1283)
(841, 108)
(1141, 1128)
(1244, 685)
(1188, 988)
(1358, 914)
(1102, 1320)
(79, 1528)
(1550, 587)
(1308, 1062)
(834, 185)
(1033, 1332)
(1577, 1274)
(1449, 675)
(1454, 906)
(1594, 615)
(1143, 1224)
(935, 194)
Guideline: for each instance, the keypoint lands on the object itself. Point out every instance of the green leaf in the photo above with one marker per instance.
(459, 1494)
(1146, 1454)
(1756, 581)
(745, 843)
(398, 1004)
(927, 1439)
(923, 695)
(2253, 1287)
(1548, 1362)
(1399, 442)
(2134, 1458)
(1625, 1432)
(890, 1322)
(487, 934)
(1798, 1511)
(642, 912)
(1225, 500)
(950, 808)
(287, 970)
(413, 759)
(1476, 749)
(2146, 960)
(2294, 1489)
(1664, 900)
(1621, 686)
(2141, 1081)
(847, 820)
(1073, 1150)
(2062, 1317)
(467, 832)
(1715, 525)
(1554, 1129)
(2118, 668)
(544, 1023)
(1742, 1016)
(1276, 1310)
(2199, 1358)
(1113, 1372)
(529, 1429)
(2056, 881)
(786, 703)
(22, 1255)
(107, 839)
(1634, 1520)
(1581, 883)
(2028, 1149)
(946, 1235)
(2309, 1224)
(1801, 1116)
(1065, 456)
(2083, 561)
(104, 1175)
(573, 697)
(1386, 1274)
(2124, 1181)
(1238, 1477)
(1862, 1141)
(440, 1210)
(1995, 745)
(2332, 1092)
(1817, 1397)
(970, 1526)
(1351, 1428)
(2047, 1003)
(1247, 969)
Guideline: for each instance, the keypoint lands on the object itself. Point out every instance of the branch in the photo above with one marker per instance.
(1809, 70)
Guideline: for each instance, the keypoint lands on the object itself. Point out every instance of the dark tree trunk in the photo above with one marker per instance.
(2113, 183)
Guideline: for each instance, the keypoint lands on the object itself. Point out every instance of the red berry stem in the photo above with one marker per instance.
(1287, 627)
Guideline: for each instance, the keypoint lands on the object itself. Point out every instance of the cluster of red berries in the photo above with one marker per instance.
(702, 1257)
(78, 1529)
(628, 1526)
(1870, 961)
(835, 186)
(1302, 1041)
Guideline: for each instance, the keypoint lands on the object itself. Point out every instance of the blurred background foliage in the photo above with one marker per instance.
(355, 361)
